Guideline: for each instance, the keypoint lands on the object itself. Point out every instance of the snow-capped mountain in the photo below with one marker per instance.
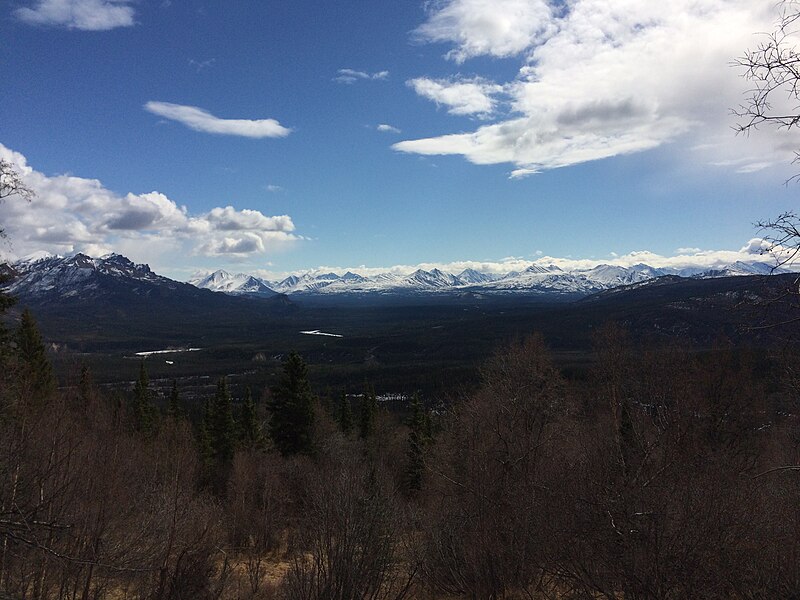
(536, 279)
(78, 275)
(115, 282)
(740, 268)
(81, 277)
(432, 279)
(472, 276)
(239, 283)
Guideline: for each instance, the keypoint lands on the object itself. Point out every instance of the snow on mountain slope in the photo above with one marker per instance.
(472, 276)
(78, 275)
(536, 278)
(238, 283)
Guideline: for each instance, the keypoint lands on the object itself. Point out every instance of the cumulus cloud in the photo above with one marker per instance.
(202, 120)
(351, 76)
(87, 15)
(497, 28)
(474, 96)
(387, 128)
(74, 214)
(600, 78)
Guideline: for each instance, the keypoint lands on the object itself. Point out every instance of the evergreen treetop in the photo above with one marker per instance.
(35, 369)
(292, 408)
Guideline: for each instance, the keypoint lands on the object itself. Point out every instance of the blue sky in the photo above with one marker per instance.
(511, 128)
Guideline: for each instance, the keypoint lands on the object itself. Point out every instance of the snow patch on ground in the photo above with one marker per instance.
(151, 352)
(318, 332)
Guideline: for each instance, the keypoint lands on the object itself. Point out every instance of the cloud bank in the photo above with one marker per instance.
(73, 214)
(86, 15)
(596, 79)
(202, 120)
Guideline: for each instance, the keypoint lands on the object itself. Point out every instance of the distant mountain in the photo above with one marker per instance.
(546, 281)
(472, 276)
(114, 280)
(239, 283)
(81, 277)
(112, 298)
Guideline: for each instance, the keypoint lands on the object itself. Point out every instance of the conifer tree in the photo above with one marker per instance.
(223, 426)
(250, 432)
(85, 386)
(143, 409)
(6, 302)
(344, 414)
(369, 407)
(292, 409)
(174, 409)
(416, 446)
(35, 369)
(205, 447)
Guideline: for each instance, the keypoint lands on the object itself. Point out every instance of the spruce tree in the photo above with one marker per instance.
(344, 414)
(205, 447)
(292, 409)
(250, 432)
(416, 447)
(369, 407)
(174, 409)
(223, 426)
(143, 409)
(6, 302)
(85, 387)
(35, 369)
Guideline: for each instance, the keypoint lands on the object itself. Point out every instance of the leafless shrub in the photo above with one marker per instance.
(491, 525)
(350, 538)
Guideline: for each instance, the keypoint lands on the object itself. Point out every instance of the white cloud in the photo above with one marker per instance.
(461, 96)
(202, 120)
(87, 15)
(487, 27)
(602, 78)
(387, 128)
(74, 214)
(200, 65)
(271, 187)
(351, 76)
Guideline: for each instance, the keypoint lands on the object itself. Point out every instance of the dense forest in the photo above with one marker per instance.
(667, 473)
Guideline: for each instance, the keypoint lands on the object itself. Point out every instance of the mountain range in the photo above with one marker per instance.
(115, 278)
(542, 280)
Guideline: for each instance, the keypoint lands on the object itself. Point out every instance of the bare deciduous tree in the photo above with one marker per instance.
(11, 183)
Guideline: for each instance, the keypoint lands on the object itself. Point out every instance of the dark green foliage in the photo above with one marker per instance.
(35, 371)
(250, 435)
(85, 386)
(143, 408)
(366, 418)
(204, 445)
(344, 414)
(291, 408)
(417, 440)
(174, 408)
(6, 302)
(222, 425)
